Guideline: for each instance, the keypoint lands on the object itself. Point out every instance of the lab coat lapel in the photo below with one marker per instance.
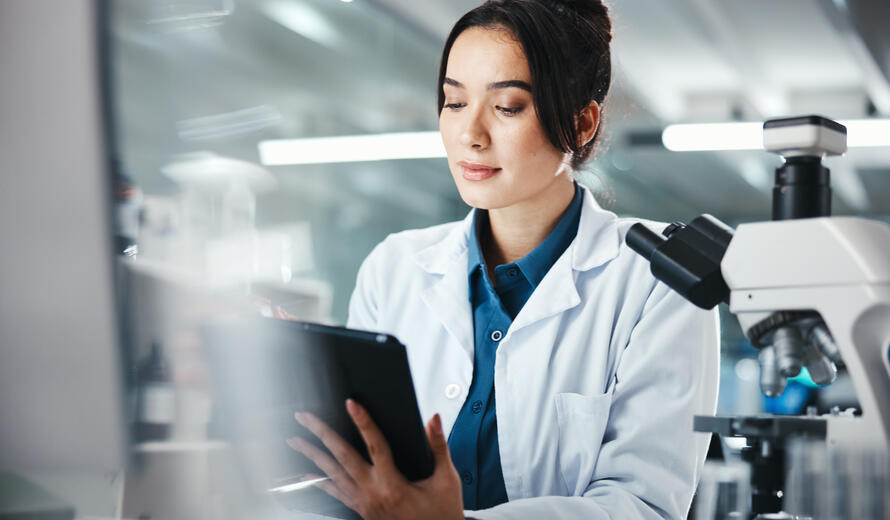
(555, 294)
(448, 294)
(596, 242)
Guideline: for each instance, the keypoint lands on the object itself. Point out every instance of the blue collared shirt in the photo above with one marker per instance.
(474, 438)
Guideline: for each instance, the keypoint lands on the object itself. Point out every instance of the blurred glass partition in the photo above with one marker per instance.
(211, 225)
(200, 84)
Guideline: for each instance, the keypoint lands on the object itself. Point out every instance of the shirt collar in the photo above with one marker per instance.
(534, 265)
(474, 249)
(598, 240)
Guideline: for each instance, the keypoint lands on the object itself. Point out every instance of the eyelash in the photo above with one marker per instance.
(504, 110)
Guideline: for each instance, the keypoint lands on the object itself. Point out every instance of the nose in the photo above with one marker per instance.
(474, 133)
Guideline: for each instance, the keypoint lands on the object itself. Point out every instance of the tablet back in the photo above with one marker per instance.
(265, 370)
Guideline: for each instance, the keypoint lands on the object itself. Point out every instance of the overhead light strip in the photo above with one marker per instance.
(749, 136)
(353, 148)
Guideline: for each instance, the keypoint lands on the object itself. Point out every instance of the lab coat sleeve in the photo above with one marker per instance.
(363, 304)
(650, 459)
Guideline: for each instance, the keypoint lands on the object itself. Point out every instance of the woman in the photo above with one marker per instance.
(560, 374)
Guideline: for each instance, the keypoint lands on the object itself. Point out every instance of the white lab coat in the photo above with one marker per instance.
(597, 379)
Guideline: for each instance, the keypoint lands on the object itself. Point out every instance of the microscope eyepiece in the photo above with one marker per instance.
(687, 257)
(643, 240)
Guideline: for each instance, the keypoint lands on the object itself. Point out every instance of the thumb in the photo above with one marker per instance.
(438, 442)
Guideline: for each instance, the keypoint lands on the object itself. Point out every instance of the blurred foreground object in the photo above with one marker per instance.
(837, 482)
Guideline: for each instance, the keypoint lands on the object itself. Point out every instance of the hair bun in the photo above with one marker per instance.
(590, 10)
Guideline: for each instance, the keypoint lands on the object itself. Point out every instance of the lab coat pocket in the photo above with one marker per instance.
(582, 423)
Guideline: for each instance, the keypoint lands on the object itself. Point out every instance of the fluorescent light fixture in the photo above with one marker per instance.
(867, 132)
(749, 136)
(303, 20)
(352, 148)
(713, 136)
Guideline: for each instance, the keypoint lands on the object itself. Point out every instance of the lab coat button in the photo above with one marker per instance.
(477, 407)
(496, 335)
(452, 391)
(467, 477)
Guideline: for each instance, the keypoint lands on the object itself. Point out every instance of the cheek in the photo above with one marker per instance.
(529, 147)
(447, 131)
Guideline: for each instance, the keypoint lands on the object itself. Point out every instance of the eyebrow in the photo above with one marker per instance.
(512, 83)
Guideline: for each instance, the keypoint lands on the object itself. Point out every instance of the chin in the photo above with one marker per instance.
(482, 196)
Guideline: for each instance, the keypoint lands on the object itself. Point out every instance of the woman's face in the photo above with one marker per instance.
(497, 151)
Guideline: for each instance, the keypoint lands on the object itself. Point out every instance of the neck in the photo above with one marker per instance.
(516, 230)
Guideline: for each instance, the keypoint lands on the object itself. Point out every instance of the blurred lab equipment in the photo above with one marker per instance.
(836, 482)
(809, 290)
(156, 405)
(216, 237)
(723, 492)
(127, 213)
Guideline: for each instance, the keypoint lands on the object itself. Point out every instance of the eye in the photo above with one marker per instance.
(507, 111)
(454, 106)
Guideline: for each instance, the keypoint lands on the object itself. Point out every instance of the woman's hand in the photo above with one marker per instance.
(378, 490)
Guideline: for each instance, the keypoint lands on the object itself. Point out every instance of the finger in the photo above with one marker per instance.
(284, 315)
(438, 443)
(332, 489)
(345, 454)
(324, 462)
(378, 447)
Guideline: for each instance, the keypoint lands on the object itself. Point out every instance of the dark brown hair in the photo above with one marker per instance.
(567, 45)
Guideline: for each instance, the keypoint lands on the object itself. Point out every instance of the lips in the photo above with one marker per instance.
(473, 171)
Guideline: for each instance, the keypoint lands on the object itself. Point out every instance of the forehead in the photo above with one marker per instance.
(482, 55)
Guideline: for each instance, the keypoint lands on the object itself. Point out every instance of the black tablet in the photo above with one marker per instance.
(264, 370)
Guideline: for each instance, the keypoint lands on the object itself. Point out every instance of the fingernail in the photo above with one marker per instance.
(299, 417)
(437, 424)
(295, 443)
(353, 408)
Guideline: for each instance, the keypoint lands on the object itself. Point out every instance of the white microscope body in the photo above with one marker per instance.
(838, 267)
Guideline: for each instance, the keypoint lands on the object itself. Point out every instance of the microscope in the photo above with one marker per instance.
(809, 290)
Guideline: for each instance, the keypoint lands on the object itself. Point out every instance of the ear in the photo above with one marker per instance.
(588, 121)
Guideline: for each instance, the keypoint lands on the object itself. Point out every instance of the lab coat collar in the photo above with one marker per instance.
(596, 242)
(598, 239)
(440, 257)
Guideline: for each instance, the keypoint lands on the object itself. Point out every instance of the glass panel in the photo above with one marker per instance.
(200, 84)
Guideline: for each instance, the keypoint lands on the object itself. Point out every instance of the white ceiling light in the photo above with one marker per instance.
(867, 132)
(353, 148)
(749, 136)
(713, 136)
